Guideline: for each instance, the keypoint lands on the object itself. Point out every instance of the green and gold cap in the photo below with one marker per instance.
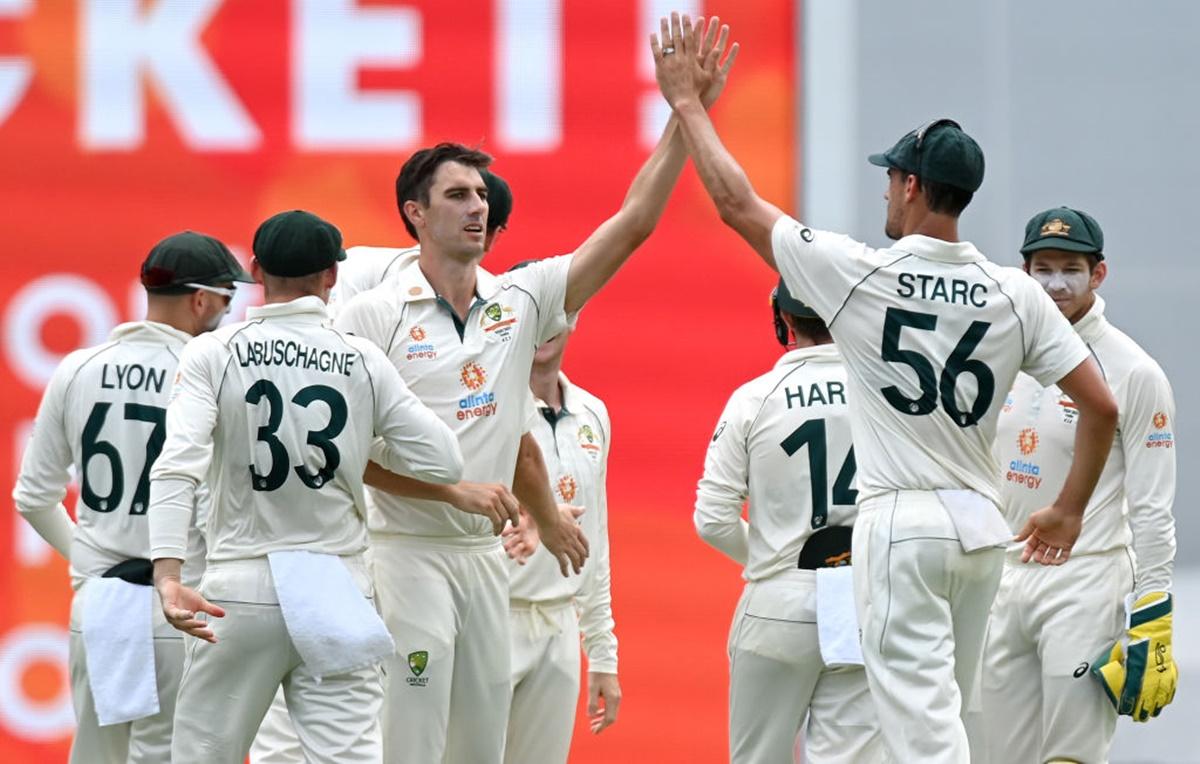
(940, 152)
(1066, 229)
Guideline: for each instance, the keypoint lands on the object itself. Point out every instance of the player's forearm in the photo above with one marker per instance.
(724, 179)
(167, 569)
(53, 524)
(607, 249)
(1153, 527)
(730, 537)
(1093, 439)
(400, 485)
(531, 484)
(172, 502)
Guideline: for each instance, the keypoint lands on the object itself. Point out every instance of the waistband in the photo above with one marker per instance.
(468, 544)
(558, 603)
(799, 576)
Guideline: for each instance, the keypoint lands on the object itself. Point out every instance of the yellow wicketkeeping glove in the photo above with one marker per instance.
(1138, 674)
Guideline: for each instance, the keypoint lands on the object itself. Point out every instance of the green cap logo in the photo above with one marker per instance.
(418, 661)
(493, 312)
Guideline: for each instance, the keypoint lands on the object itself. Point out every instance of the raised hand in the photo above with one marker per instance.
(710, 51)
(688, 62)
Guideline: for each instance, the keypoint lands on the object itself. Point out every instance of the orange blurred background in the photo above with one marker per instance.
(121, 123)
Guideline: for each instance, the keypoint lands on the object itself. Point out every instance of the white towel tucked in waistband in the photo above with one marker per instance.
(837, 620)
(118, 637)
(334, 627)
(978, 521)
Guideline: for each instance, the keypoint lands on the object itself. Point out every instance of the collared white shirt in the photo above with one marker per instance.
(366, 268)
(103, 414)
(933, 335)
(575, 443)
(783, 443)
(285, 410)
(1035, 442)
(474, 373)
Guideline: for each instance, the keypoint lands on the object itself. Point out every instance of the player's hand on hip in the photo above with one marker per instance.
(182, 607)
(565, 540)
(1049, 535)
(492, 500)
(1138, 673)
(604, 700)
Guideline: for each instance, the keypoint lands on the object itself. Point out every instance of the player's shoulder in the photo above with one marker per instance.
(590, 402)
(77, 360)
(532, 272)
(1123, 356)
(370, 265)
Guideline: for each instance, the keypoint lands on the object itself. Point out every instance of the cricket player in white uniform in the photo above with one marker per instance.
(284, 410)
(364, 269)
(443, 579)
(1049, 626)
(783, 442)
(104, 414)
(933, 335)
(549, 613)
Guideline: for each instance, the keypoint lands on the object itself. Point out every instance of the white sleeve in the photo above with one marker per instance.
(412, 440)
(546, 280)
(820, 268)
(1148, 439)
(363, 269)
(723, 489)
(1052, 347)
(187, 451)
(364, 316)
(595, 601)
(46, 466)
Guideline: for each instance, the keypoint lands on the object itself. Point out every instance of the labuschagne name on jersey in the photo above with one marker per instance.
(939, 289)
(824, 393)
(279, 352)
(132, 376)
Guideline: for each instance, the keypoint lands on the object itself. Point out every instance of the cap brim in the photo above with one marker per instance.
(1066, 245)
(880, 160)
(341, 255)
(243, 276)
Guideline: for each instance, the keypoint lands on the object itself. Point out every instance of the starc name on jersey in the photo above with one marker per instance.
(938, 289)
(1027, 474)
(279, 352)
(476, 405)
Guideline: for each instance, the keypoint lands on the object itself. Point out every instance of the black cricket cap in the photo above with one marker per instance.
(788, 304)
(500, 200)
(1066, 229)
(190, 258)
(297, 243)
(938, 151)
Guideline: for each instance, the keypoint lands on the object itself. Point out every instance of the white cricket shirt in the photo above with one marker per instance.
(104, 413)
(366, 268)
(933, 335)
(1035, 441)
(783, 442)
(575, 444)
(286, 409)
(474, 374)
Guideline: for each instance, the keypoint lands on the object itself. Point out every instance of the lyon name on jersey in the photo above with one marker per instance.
(783, 442)
(933, 335)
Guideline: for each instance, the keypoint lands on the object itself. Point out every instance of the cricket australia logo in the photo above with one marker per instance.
(498, 320)
(416, 664)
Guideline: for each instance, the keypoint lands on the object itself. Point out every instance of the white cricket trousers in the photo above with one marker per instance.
(923, 607)
(545, 681)
(1039, 701)
(447, 689)
(143, 741)
(777, 677)
(227, 686)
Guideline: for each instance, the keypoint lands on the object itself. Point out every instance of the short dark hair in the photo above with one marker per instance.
(1092, 258)
(812, 329)
(943, 198)
(416, 176)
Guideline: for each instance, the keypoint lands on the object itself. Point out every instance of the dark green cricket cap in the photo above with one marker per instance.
(945, 154)
(190, 258)
(500, 200)
(1066, 229)
(788, 304)
(297, 243)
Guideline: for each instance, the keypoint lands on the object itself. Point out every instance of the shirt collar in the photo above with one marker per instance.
(929, 248)
(1093, 323)
(151, 330)
(309, 306)
(570, 396)
(411, 284)
(816, 353)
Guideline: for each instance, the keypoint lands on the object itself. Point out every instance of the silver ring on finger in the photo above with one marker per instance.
(668, 50)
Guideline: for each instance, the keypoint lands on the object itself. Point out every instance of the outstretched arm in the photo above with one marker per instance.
(607, 249)
(740, 207)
